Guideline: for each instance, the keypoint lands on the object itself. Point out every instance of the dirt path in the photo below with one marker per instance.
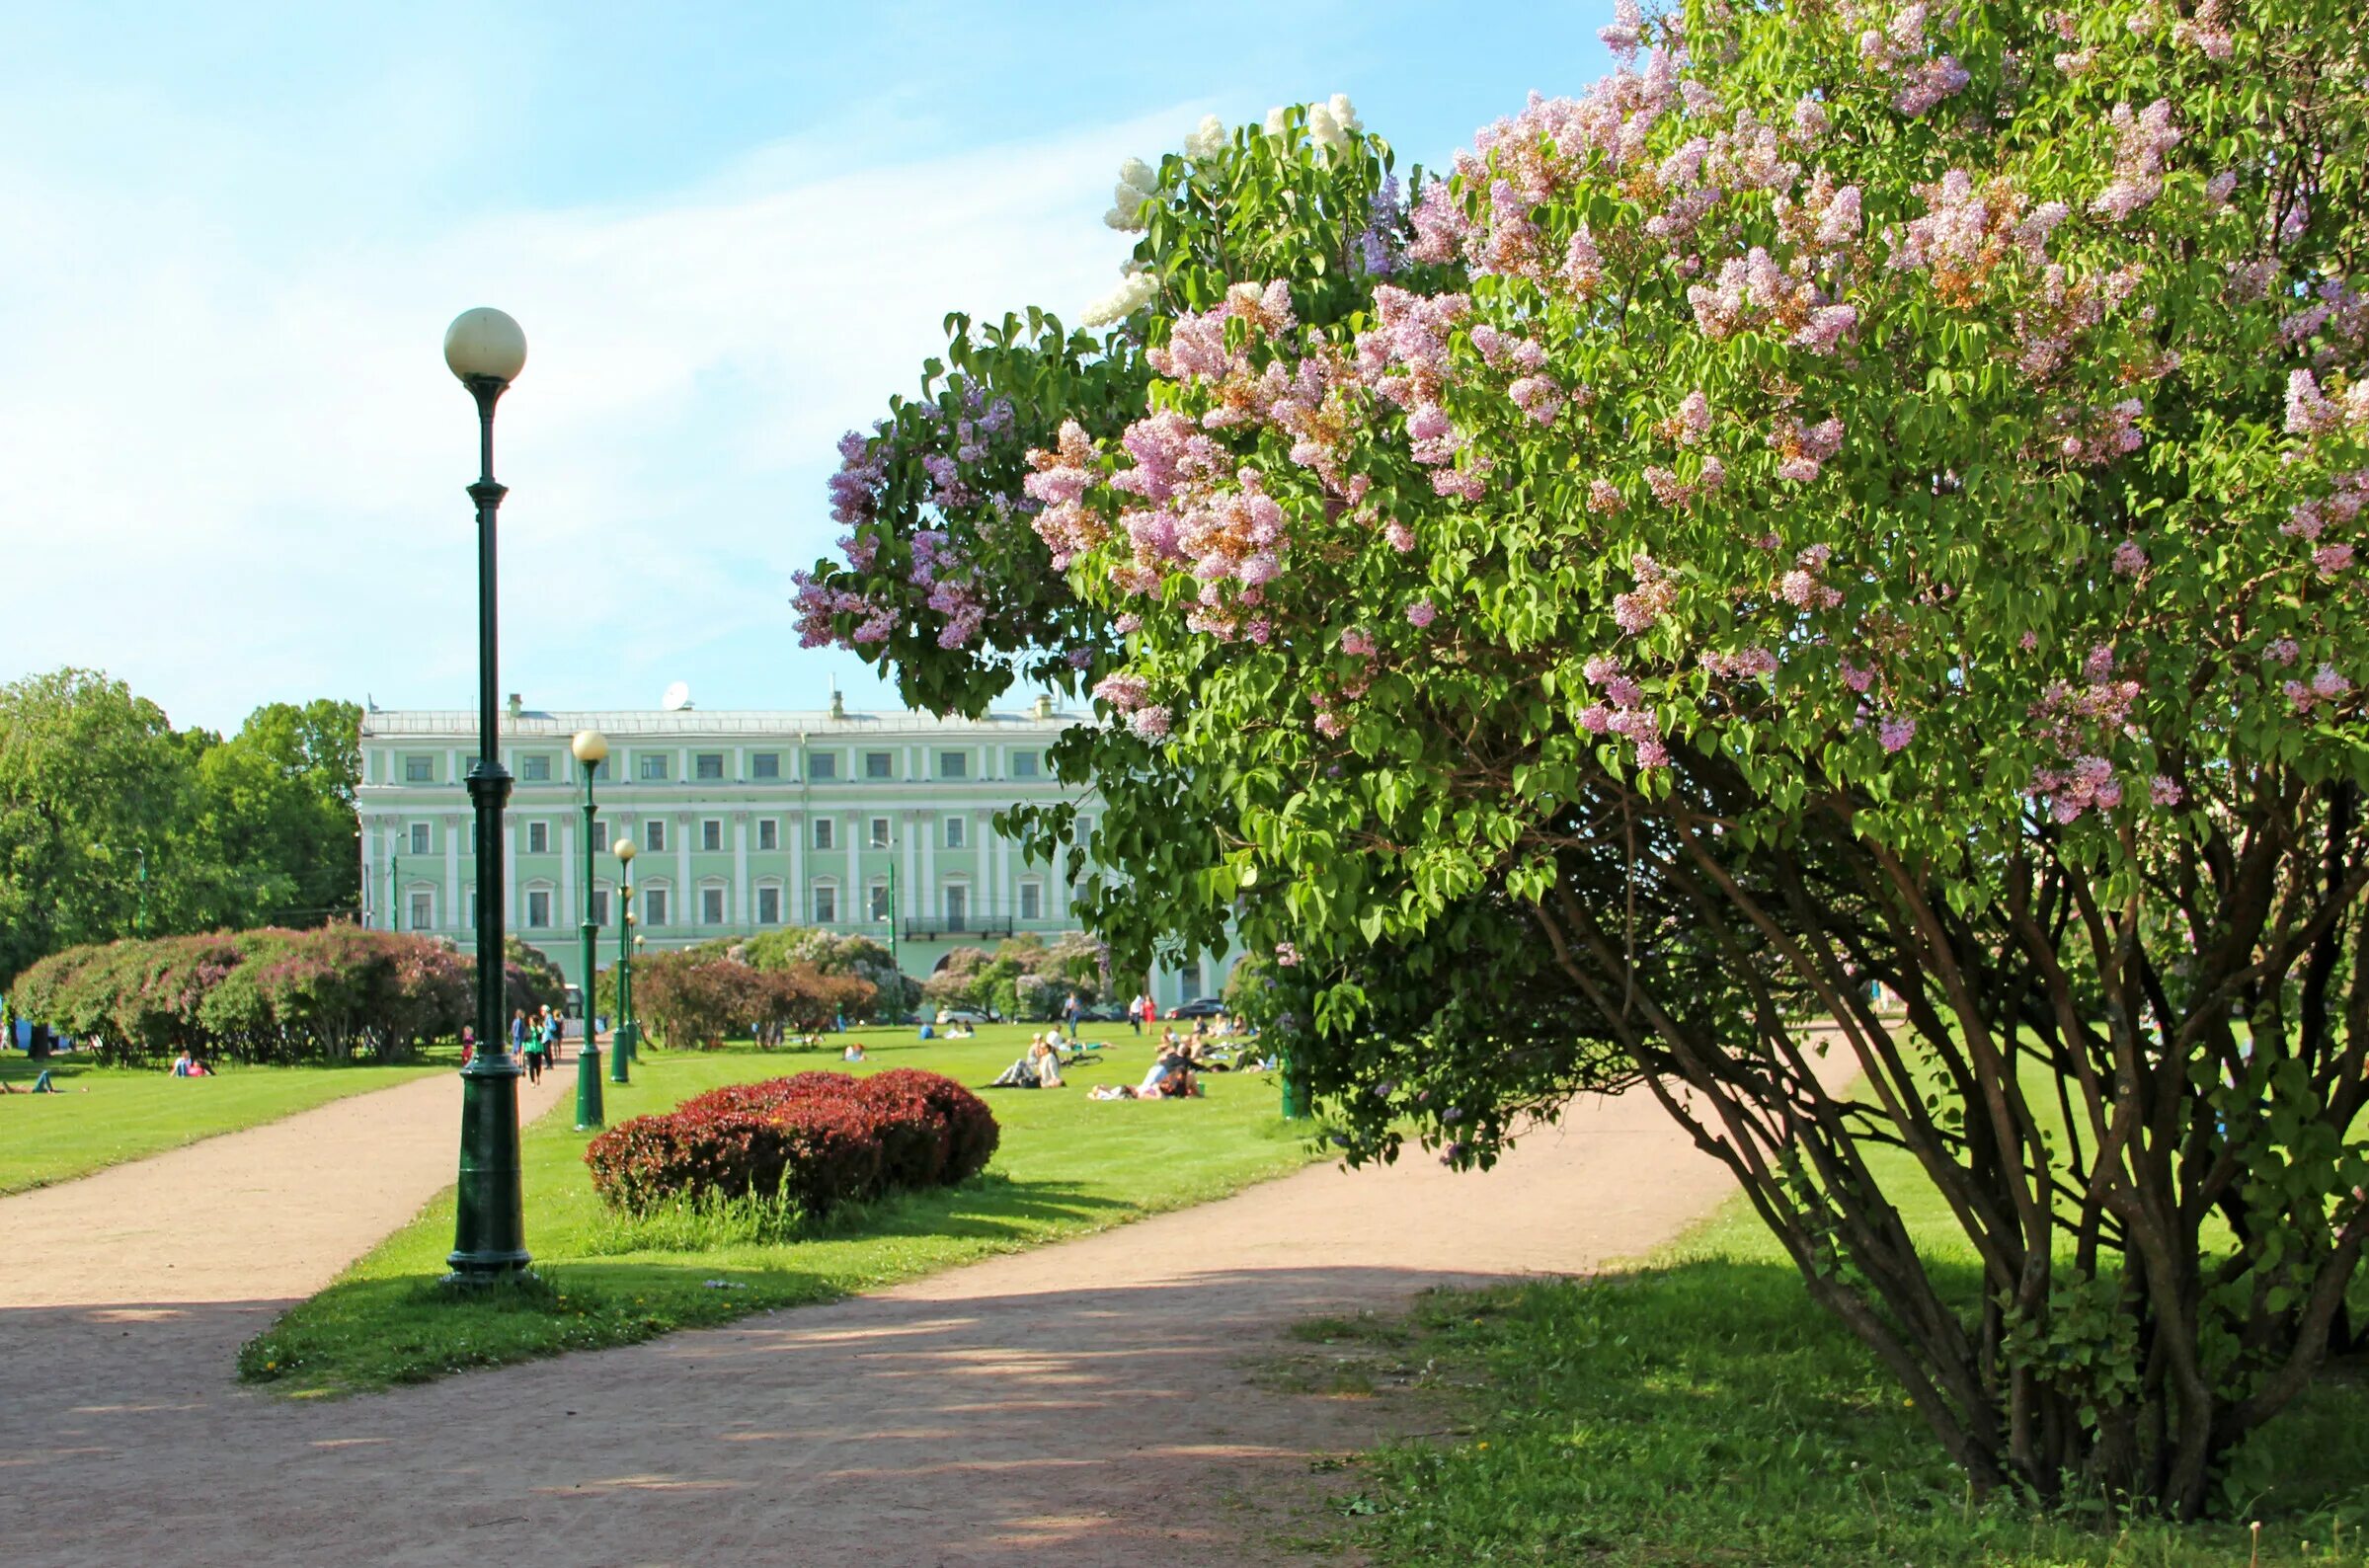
(1088, 1403)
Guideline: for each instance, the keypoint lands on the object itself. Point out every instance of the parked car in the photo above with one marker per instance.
(1203, 1007)
(963, 1015)
(1105, 1013)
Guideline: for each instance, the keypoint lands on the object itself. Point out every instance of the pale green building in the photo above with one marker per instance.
(745, 822)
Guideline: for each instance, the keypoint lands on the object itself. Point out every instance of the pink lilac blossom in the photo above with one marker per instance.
(2140, 142)
(1894, 735)
(1287, 955)
(2129, 559)
(1149, 722)
(1805, 450)
(1123, 691)
(1421, 613)
(1744, 663)
(1856, 678)
(1604, 499)
(2206, 31)
(1649, 602)
(2163, 790)
(2331, 559)
(2327, 686)
(2282, 651)
(1402, 537)
(2307, 412)
(1358, 643)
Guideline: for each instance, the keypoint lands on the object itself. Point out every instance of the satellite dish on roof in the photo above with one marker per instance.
(677, 698)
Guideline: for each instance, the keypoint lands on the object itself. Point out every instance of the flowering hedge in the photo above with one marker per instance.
(1867, 491)
(816, 1138)
(264, 996)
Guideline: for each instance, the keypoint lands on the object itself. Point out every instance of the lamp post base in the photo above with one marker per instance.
(620, 1054)
(587, 1084)
(490, 1233)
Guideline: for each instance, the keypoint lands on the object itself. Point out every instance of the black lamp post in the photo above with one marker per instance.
(486, 349)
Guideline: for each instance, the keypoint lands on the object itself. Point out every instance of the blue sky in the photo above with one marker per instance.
(230, 457)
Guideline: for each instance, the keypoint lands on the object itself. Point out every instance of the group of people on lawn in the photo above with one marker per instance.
(1177, 1063)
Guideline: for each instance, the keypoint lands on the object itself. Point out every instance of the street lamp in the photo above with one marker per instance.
(486, 349)
(591, 749)
(620, 1039)
(394, 908)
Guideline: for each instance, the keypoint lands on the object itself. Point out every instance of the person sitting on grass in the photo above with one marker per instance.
(40, 1086)
(1048, 1055)
(854, 1051)
(182, 1065)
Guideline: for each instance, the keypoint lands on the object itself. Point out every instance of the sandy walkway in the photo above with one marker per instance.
(1090, 1403)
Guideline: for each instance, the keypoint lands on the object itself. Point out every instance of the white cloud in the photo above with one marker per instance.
(231, 461)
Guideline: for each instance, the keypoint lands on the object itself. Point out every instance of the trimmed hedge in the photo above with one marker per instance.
(816, 1139)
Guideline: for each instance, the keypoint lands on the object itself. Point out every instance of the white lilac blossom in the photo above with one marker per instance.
(1207, 139)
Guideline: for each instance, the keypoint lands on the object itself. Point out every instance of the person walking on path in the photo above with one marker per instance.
(1070, 1011)
(1138, 1010)
(533, 1048)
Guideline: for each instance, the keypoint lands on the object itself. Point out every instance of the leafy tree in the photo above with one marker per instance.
(1861, 496)
(96, 785)
(91, 780)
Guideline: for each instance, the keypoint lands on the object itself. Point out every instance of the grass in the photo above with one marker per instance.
(1702, 1409)
(106, 1116)
(1066, 1166)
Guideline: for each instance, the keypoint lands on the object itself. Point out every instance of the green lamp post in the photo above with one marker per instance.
(638, 940)
(394, 908)
(591, 749)
(486, 349)
(620, 1039)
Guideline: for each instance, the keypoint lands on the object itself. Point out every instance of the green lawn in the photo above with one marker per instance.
(1066, 1166)
(107, 1114)
(1702, 1409)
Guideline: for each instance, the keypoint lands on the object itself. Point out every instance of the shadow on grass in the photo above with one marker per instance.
(1710, 1410)
(636, 1279)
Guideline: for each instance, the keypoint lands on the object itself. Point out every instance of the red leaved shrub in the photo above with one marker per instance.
(971, 1130)
(818, 1138)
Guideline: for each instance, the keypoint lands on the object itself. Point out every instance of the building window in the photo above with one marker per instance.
(954, 764)
(654, 907)
(711, 834)
(954, 832)
(769, 907)
(538, 907)
(958, 905)
(827, 904)
(535, 769)
(765, 764)
(769, 833)
(423, 911)
(822, 832)
(823, 765)
(880, 833)
(418, 770)
(419, 838)
(654, 834)
(1032, 901)
(539, 839)
(1024, 765)
(600, 837)
(879, 764)
(654, 767)
(1188, 981)
(600, 907)
(708, 766)
(711, 905)
(879, 902)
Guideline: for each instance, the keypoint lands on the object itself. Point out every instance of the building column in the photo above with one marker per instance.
(565, 916)
(904, 884)
(740, 867)
(455, 911)
(855, 870)
(928, 830)
(681, 830)
(801, 911)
